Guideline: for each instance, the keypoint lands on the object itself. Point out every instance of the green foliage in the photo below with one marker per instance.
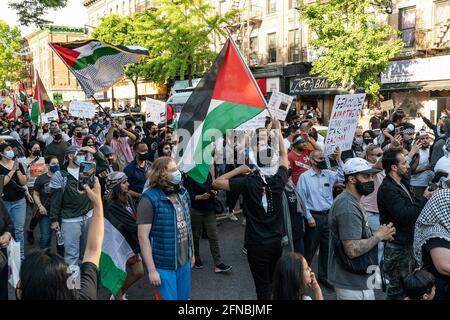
(31, 11)
(355, 48)
(11, 68)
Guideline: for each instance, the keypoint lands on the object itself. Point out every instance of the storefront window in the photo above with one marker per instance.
(408, 26)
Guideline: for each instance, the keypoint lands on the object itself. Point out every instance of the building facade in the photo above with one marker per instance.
(419, 79)
(59, 82)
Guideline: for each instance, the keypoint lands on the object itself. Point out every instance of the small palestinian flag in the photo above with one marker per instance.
(41, 102)
(97, 65)
(226, 98)
(23, 98)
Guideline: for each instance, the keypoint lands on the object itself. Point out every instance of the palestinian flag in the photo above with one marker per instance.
(97, 65)
(23, 98)
(41, 102)
(226, 98)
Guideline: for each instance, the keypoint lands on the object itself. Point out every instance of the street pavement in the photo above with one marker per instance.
(205, 284)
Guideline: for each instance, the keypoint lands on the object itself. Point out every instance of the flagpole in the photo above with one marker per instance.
(96, 101)
(248, 70)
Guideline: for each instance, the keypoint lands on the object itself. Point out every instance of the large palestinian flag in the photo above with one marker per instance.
(41, 102)
(226, 98)
(97, 65)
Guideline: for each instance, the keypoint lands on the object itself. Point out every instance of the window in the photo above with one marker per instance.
(272, 45)
(254, 45)
(408, 25)
(293, 4)
(293, 43)
(441, 15)
(271, 6)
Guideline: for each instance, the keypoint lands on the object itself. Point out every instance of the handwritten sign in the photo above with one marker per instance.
(343, 122)
(279, 105)
(155, 110)
(49, 116)
(387, 105)
(81, 109)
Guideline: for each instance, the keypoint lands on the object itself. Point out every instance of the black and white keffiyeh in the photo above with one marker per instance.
(433, 222)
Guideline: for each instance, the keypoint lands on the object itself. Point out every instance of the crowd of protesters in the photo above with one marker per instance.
(378, 211)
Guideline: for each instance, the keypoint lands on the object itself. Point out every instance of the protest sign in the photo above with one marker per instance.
(279, 105)
(50, 116)
(387, 105)
(257, 122)
(81, 109)
(343, 122)
(155, 110)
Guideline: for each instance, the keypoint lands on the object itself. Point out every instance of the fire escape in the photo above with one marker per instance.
(249, 19)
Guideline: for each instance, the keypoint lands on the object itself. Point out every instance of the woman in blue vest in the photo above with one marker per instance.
(164, 231)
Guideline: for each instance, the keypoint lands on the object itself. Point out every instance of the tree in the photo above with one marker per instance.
(120, 30)
(11, 67)
(354, 47)
(179, 36)
(31, 11)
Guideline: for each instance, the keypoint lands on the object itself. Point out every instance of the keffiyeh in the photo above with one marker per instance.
(433, 222)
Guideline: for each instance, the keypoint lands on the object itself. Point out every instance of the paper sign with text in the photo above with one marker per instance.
(81, 109)
(343, 122)
(155, 110)
(279, 105)
(49, 116)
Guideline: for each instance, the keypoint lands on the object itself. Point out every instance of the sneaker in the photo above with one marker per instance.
(232, 217)
(222, 268)
(244, 251)
(199, 264)
(30, 237)
(124, 297)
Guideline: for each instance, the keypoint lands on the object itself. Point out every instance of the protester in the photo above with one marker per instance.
(70, 210)
(6, 232)
(421, 175)
(14, 192)
(315, 187)
(57, 147)
(47, 137)
(169, 255)
(203, 218)
(350, 234)
(296, 213)
(137, 169)
(299, 155)
(44, 275)
(443, 165)
(120, 140)
(368, 138)
(375, 120)
(419, 285)
(42, 194)
(432, 241)
(262, 195)
(77, 137)
(399, 206)
(152, 140)
(121, 212)
(164, 150)
(292, 277)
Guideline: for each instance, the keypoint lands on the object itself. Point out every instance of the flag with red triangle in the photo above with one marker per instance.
(41, 102)
(226, 98)
(23, 99)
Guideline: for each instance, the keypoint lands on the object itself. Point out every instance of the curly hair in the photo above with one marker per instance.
(157, 175)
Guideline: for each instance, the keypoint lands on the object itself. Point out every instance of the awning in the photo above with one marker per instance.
(418, 86)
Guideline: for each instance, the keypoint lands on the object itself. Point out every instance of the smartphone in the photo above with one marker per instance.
(86, 176)
(432, 186)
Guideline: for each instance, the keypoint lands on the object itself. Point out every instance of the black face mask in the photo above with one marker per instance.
(128, 125)
(368, 141)
(36, 153)
(365, 188)
(154, 132)
(322, 165)
(58, 137)
(79, 134)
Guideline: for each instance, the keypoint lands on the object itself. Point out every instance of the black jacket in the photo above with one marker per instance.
(6, 224)
(395, 206)
(196, 189)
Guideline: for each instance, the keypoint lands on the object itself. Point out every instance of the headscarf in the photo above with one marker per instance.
(433, 222)
(113, 179)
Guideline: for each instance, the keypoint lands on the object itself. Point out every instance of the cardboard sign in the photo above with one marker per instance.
(155, 110)
(279, 105)
(343, 122)
(387, 105)
(81, 109)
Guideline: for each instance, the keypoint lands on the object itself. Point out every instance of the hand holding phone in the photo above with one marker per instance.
(86, 175)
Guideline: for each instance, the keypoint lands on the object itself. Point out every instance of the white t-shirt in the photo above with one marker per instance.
(422, 179)
(443, 165)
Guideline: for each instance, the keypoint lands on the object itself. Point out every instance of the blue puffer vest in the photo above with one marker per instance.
(163, 235)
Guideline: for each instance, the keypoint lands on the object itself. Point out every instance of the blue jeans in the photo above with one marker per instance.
(46, 232)
(18, 212)
(75, 238)
(374, 224)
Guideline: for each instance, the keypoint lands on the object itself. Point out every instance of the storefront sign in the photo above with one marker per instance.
(427, 69)
(307, 85)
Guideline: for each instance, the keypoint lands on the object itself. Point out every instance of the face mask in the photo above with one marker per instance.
(365, 188)
(54, 168)
(358, 141)
(79, 159)
(58, 137)
(154, 132)
(176, 177)
(36, 153)
(45, 130)
(368, 141)
(9, 154)
(378, 158)
(143, 156)
(79, 134)
(322, 165)
(85, 132)
(128, 125)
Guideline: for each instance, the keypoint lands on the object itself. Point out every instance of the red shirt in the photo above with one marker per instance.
(299, 163)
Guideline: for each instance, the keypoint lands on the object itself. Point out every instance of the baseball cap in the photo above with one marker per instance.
(55, 130)
(358, 165)
(72, 149)
(3, 146)
(106, 150)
